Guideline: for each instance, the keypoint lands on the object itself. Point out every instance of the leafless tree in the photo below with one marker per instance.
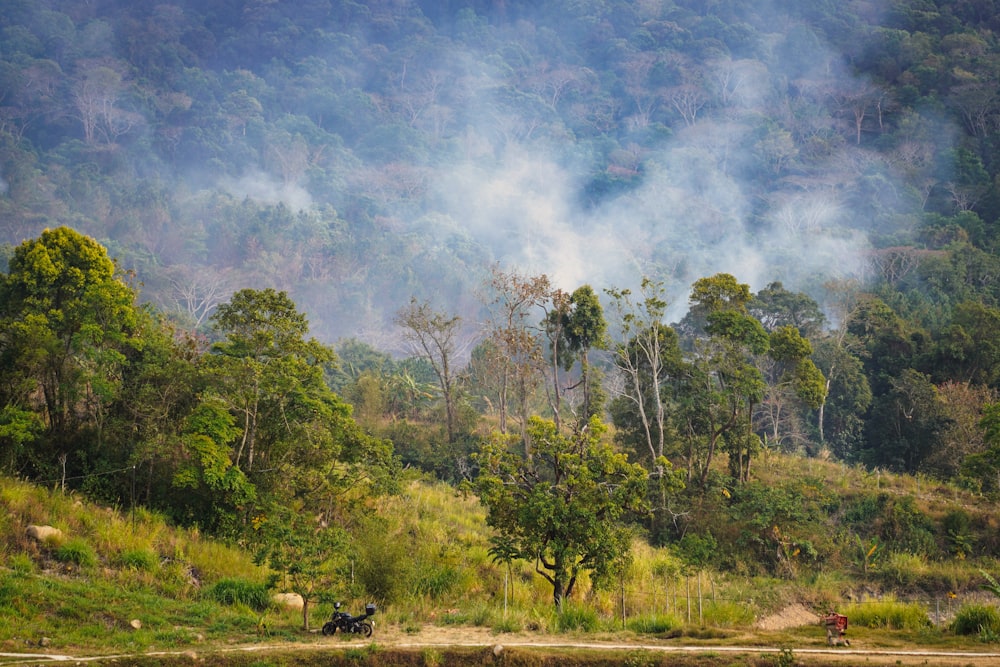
(433, 335)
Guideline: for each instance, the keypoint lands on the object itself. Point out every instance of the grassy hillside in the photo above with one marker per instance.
(123, 581)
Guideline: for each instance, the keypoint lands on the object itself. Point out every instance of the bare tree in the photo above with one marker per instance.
(96, 94)
(198, 291)
(434, 336)
(515, 302)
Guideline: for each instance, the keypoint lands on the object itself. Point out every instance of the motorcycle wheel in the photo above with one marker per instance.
(329, 628)
(366, 628)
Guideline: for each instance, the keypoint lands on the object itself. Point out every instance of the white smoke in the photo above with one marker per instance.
(699, 209)
(260, 187)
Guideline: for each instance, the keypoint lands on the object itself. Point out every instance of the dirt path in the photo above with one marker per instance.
(473, 637)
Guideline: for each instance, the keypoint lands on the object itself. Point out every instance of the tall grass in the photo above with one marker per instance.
(888, 614)
(241, 592)
(977, 619)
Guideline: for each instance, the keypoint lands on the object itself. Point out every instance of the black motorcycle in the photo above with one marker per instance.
(350, 624)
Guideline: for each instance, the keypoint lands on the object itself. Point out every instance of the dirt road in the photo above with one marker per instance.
(454, 637)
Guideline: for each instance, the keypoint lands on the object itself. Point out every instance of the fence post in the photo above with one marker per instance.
(688, 582)
(701, 617)
(674, 581)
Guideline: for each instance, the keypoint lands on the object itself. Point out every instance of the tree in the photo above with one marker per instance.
(725, 384)
(433, 335)
(793, 383)
(586, 329)
(517, 351)
(905, 423)
(964, 436)
(967, 350)
(775, 306)
(984, 466)
(573, 324)
(96, 94)
(302, 550)
(554, 325)
(645, 356)
(848, 396)
(67, 319)
(563, 508)
(294, 434)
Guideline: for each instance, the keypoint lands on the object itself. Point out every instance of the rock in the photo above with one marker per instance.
(497, 650)
(136, 624)
(288, 600)
(44, 534)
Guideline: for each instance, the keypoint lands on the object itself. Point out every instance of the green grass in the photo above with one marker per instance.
(887, 614)
(241, 592)
(653, 624)
(977, 619)
(76, 552)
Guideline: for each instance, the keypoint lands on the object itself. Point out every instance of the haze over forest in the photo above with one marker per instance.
(355, 154)
(309, 201)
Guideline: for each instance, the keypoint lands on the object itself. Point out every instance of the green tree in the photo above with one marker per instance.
(586, 330)
(564, 507)
(67, 320)
(295, 436)
(968, 350)
(725, 384)
(774, 306)
(984, 467)
(573, 324)
(794, 384)
(304, 553)
(905, 424)
(262, 366)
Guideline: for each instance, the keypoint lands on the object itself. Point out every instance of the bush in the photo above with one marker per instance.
(238, 591)
(974, 619)
(76, 552)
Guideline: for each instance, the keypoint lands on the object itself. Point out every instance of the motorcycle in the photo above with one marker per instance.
(350, 624)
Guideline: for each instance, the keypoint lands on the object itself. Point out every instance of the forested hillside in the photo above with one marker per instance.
(354, 154)
(258, 249)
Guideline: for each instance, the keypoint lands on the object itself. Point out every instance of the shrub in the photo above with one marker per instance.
(239, 591)
(77, 552)
(974, 619)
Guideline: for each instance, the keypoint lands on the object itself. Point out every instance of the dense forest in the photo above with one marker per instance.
(722, 229)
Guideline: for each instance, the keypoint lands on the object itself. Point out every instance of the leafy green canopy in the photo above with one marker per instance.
(67, 323)
(565, 506)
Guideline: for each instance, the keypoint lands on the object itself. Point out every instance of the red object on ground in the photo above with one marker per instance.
(836, 621)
